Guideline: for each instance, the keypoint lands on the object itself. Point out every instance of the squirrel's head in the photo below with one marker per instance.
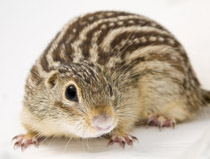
(77, 99)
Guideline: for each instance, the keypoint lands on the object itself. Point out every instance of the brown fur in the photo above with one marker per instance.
(132, 70)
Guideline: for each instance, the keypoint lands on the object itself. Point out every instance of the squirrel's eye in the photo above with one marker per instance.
(71, 93)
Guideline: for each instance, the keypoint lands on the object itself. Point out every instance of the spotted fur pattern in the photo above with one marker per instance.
(144, 64)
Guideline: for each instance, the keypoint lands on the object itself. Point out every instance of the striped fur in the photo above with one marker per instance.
(101, 36)
(123, 64)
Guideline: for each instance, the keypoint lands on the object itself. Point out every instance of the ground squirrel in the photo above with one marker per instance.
(103, 73)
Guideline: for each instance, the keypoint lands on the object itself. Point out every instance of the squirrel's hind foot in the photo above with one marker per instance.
(160, 121)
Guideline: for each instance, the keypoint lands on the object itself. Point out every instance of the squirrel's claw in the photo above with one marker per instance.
(123, 140)
(160, 121)
(23, 141)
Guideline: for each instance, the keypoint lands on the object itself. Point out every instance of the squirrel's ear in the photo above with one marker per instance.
(51, 79)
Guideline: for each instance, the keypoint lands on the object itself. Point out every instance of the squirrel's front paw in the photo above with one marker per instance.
(24, 141)
(122, 139)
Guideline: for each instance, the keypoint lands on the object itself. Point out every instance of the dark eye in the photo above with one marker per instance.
(71, 93)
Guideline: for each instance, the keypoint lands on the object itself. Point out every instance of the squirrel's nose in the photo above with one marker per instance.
(102, 122)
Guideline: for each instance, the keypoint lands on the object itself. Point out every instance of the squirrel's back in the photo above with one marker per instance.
(117, 41)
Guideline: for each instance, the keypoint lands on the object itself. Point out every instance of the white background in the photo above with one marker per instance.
(26, 27)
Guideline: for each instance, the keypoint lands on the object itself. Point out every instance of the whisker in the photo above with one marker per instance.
(87, 143)
(67, 145)
(52, 138)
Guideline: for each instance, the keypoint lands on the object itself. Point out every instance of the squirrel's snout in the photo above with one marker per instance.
(102, 122)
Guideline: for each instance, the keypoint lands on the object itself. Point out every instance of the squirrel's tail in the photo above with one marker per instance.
(205, 97)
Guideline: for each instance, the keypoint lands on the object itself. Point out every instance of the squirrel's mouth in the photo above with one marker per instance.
(99, 131)
(100, 125)
(99, 122)
(102, 122)
(102, 131)
(94, 133)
